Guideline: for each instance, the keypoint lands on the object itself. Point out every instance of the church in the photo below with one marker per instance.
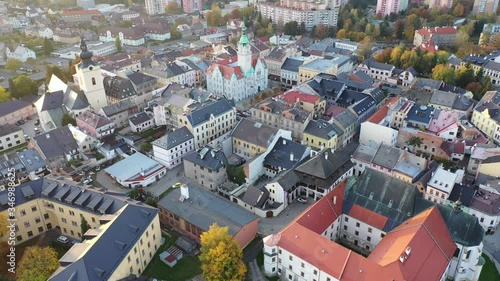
(240, 77)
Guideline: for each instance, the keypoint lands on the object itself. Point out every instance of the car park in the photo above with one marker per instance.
(63, 239)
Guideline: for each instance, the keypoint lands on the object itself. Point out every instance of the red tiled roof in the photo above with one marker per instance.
(294, 96)
(334, 111)
(380, 114)
(437, 30)
(367, 216)
(80, 12)
(227, 71)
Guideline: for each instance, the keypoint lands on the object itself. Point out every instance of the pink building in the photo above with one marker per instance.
(95, 125)
(190, 6)
(387, 7)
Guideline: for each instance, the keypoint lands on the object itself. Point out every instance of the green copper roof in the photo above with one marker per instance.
(244, 39)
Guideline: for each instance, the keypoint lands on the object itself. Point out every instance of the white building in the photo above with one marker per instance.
(240, 79)
(378, 133)
(10, 136)
(20, 53)
(170, 148)
(156, 7)
(85, 141)
(441, 184)
(141, 122)
(136, 170)
(346, 45)
(45, 32)
(128, 36)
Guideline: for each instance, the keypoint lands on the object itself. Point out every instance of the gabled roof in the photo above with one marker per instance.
(140, 118)
(56, 142)
(324, 164)
(202, 114)
(320, 129)
(387, 156)
(92, 119)
(371, 63)
(174, 138)
(292, 64)
(11, 106)
(207, 157)
(285, 154)
(254, 132)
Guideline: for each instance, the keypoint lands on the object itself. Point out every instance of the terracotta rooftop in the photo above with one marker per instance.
(294, 96)
(368, 216)
(438, 30)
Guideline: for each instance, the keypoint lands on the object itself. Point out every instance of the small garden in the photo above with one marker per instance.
(236, 174)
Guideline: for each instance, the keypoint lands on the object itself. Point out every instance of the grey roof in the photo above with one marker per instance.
(132, 167)
(216, 108)
(204, 208)
(408, 168)
(118, 239)
(254, 132)
(281, 154)
(326, 87)
(56, 142)
(420, 113)
(52, 100)
(372, 63)
(462, 102)
(140, 118)
(442, 98)
(210, 158)
(346, 118)
(31, 159)
(256, 197)
(11, 106)
(363, 76)
(387, 156)
(138, 78)
(463, 193)
(425, 84)
(75, 100)
(292, 64)
(8, 129)
(118, 87)
(173, 139)
(321, 129)
(115, 108)
(287, 179)
(277, 53)
(365, 153)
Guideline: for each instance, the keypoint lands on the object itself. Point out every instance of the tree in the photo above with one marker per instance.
(13, 65)
(321, 31)
(426, 63)
(414, 141)
(84, 224)
(459, 10)
(409, 58)
(4, 96)
(396, 54)
(68, 119)
(464, 75)
(221, 257)
(365, 48)
(291, 28)
(24, 86)
(341, 34)
(118, 43)
(445, 73)
(214, 16)
(235, 14)
(173, 8)
(461, 38)
(302, 28)
(37, 264)
(384, 56)
(175, 35)
(57, 71)
(47, 47)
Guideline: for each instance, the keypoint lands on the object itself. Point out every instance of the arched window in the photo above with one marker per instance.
(93, 81)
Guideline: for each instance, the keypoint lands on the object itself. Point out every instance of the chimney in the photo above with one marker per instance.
(326, 155)
(212, 153)
(334, 200)
(185, 191)
(291, 156)
(284, 141)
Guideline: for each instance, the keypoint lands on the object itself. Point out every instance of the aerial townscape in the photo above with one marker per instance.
(256, 140)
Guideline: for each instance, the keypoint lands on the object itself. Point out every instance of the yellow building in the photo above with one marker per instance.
(320, 135)
(486, 117)
(122, 239)
(251, 138)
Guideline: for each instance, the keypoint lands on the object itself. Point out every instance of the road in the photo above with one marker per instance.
(492, 246)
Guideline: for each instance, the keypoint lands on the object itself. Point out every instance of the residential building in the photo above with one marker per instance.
(485, 6)
(306, 101)
(45, 204)
(191, 210)
(136, 170)
(346, 124)
(141, 82)
(141, 122)
(191, 6)
(156, 7)
(441, 184)
(200, 68)
(429, 38)
(280, 115)
(207, 167)
(377, 128)
(215, 38)
(56, 147)
(118, 88)
(121, 63)
(486, 115)
(75, 16)
(15, 110)
(10, 136)
(283, 155)
(301, 11)
(327, 87)
(208, 121)
(119, 112)
(388, 7)
(173, 72)
(478, 154)
(451, 101)
(19, 53)
(335, 66)
(45, 32)
(289, 73)
(377, 70)
(241, 79)
(171, 148)
(320, 135)
(84, 140)
(407, 76)
(419, 116)
(167, 110)
(128, 36)
(489, 166)
(440, 3)
(431, 144)
(275, 59)
(95, 125)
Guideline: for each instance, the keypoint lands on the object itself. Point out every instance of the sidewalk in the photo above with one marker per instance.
(492, 248)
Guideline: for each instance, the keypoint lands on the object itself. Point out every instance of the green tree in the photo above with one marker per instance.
(175, 35)
(145, 147)
(84, 225)
(68, 119)
(396, 54)
(37, 264)
(173, 8)
(459, 10)
(414, 141)
(13, 65)
(214, 16)
(57, 71)
(4, 95)
(24, 86)
(409, 58)
(291, 28)
(118, 44)
(221, 257)
(365, 48)
(47, 47)
(461, 38)
(445, 73)
(464, 75)
(384, 56)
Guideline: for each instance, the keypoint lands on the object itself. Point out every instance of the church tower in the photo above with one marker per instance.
(244, 52)
(89, 79)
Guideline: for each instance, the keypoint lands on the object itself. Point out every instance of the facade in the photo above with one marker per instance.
(435, 36)
(486, 115)
(192, 210)
(289, 73)
(94, 124)
(119, 112)
(155, 7)
(136, 170)
(441, 184)
(191, 6)
(203, 119)
(128, 36)
(207, 167)
(241, 79)
(170, 148)
(141, 82)
(335, 66)
(10, 136)
(440, 3)
(376, 70)
(320, 135)
(15, 110)
(387, 7)
(141, 122)
(88, 77)
(485, 6)
(84, 140)
(20, 53)
(45, 204)
(75, 16)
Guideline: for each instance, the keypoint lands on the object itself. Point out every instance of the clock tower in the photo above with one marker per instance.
(89, 79)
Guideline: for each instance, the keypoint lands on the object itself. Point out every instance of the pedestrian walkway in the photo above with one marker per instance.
(254, 271)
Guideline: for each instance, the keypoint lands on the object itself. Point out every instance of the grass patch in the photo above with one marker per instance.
(489, 272)
(188, 267)
(16, 148)
(236, 174)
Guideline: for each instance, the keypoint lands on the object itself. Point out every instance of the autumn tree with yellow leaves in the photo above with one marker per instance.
(221, 257)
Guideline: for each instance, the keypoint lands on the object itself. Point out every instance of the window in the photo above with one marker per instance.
(346, 219)
(61, 210)
(302, 265)
(369, 230)
(22, 212)
(33, 208)
(357, 224)
(93, 81)
(290, 258)
(37, 220)
(382, 235)
(356, 233)
(45, 216)
(26, 224)
(315, 272)
(30, 233)
(345, 227)
(63, 220)
(40, 229)
(71, 213)
(74, 223)
(368, 238)
(19, 238)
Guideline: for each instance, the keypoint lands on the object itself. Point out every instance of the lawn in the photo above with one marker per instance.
(489, 272)
(236, 174)
(188, 267)
(16, 148)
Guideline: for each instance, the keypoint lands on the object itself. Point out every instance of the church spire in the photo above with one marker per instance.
(244, 38)
(85, 54)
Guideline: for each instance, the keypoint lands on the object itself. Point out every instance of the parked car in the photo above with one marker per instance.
(63, 239)
(20, 122)
(302, 200)
(26, 137)
(37, 122)
(98, 168)
(176, 185)
(87, 181)
(29, 118)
